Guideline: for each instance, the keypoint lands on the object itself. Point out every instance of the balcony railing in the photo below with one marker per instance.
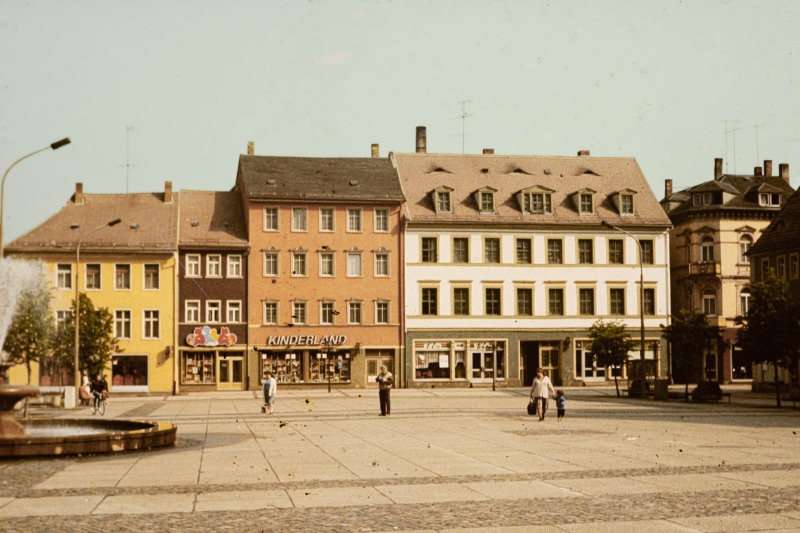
(704, 268)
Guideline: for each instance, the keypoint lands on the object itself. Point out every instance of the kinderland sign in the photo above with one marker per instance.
(306, 340)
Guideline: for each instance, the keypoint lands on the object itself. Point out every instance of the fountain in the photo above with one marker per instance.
(58, 436)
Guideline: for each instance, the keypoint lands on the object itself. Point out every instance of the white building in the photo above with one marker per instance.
(508, 264)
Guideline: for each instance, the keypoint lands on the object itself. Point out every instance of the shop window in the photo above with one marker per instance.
(129, 371)
(333, 366)
(381, 220)
(285, 367)
(92, 276)
(151, 277)
(122, 277)
(326, 219)
(461, 250)
(377, 358)
(64, 276)
(431, 360)
(197, 368)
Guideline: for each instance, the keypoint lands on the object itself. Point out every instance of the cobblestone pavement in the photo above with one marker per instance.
(445, 460)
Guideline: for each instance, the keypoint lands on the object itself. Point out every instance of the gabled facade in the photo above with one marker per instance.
(715, 223)
(514, 273)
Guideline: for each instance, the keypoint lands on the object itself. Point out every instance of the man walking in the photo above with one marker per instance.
(385, 381)
(540, 391)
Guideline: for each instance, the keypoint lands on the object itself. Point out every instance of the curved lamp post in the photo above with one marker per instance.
(77, 373)
(55, 146)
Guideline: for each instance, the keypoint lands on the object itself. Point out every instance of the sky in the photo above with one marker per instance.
(150, 91)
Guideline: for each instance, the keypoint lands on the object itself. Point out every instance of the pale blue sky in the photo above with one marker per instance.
(197, 80)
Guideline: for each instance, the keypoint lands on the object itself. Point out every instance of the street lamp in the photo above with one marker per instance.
(642, 383)
(55, 146)
(77, 373)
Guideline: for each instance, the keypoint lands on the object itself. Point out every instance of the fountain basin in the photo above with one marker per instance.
(78, 436)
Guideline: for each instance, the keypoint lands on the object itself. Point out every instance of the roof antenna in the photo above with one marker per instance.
(464, 117)
(128, 163)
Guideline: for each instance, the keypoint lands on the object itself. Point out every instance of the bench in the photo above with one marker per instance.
(728, 394)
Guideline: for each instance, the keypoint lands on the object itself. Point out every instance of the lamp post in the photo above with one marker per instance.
(54, 146)
(642, 382)
(77, 373)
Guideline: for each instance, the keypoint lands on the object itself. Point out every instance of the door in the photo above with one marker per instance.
(548, 357)
(529, 356)
(230, 370)
(482, 366)
(377, 358)
(587, 366)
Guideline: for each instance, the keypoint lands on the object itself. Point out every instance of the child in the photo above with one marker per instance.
(561, 404)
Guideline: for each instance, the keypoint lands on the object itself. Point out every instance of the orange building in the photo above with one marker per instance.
(325, 268)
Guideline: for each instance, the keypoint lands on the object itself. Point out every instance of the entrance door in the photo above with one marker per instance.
(529, 355)
(482, 366)
(230, 370)
(548, 357)
(587, 366)
(375, 360)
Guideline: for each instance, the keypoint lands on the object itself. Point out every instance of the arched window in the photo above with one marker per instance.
(709, 302)
(745, 242)
(707, 249)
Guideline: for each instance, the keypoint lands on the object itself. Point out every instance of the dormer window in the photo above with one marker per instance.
(769, 199)
(536, 201)
(626, 204)
(705, 198)
(585, 201)
(443, 201)
(485, 199)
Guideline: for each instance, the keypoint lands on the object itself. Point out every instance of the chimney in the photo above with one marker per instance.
(717, 168)
(375, 151)
(667, 188)
(757, 171)
(783, 171)
(79, 199)
(167, 192)
(488, 151)
(768, 167)
(584, 153)
(251, 147)
(422, 140)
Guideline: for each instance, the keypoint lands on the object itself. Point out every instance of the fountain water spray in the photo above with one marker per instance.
(16, 276)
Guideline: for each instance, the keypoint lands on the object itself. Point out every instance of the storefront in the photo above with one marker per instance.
(459, 360)
(129, 373)
(212, 361)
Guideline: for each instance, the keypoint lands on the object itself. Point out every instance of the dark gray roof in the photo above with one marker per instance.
(783, 233)
(744, 190)
(319, 178)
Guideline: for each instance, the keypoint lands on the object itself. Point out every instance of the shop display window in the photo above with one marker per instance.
(336, 365)
(198, 368)
(433, 362)
(129, 371)
(285, 367)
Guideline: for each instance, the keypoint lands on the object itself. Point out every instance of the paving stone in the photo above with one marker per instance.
(147, 504)
(741, 522)
(638, 526)
(343, 497)
(52, 505)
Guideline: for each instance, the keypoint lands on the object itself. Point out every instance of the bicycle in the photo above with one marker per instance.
(98, 404)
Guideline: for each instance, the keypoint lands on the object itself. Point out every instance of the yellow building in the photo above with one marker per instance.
(128, 267)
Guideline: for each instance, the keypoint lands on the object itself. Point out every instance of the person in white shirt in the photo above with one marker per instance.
(540, 392)
(270, 388)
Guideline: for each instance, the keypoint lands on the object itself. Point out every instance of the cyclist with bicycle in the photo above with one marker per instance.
(99, 389)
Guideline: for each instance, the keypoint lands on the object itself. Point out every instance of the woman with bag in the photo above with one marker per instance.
(540, 391)
(269, 389)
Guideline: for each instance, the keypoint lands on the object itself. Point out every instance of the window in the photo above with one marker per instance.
(213, 310)
(443, 201)
(487, 202)
(649, 301)
(707, 198)
(586, 252)
(492, 301)
(780, 266)
(354, 220)
(555, 302)
(744, 302)
(61, 316)
(122, 275)
(554, 253)
(298, 312)
(354, 265)
(586, 203)
(192, 267)
(234, 266)
(299, 219)
(538, 203)
(92, 276)
(491, 250)
(745, 242)
(122, 324)
(271, 263)
(270, 312)
(64, 276)
(461, 250)
(270, 219)
(354, 312)
(234, 311)
(524, 252)
(616, 301)
(214, 266)
(616, 254)
(769, 199)
(765, 268)
(430, 301)
(696, 200)
(461, 301)
(326, 313)
(586, 301)
(382, 264)
(152, 274)
(626, 204)
(430, 250)
(326, 264)
(326, 219)
(646, 248)
(382, 312)
(707, 250)
(382, 220)
(794, 266)
(709, 302)
(151, 324)
(299, 264)
(192, 311)
(525, 301)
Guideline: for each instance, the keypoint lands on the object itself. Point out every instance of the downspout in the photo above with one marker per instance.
(669, 301)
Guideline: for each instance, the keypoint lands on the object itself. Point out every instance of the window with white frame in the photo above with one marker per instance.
(707, 249)
(192, 266)
(744, 302)
(299, 312)
(152, 275)
(780, 266)
(213, 311)
(626, 204)
(271, 264)
(122, 277)
(381, 264)
(151, 324)
(381, 312)
(64, 276)
(354, 264)
(586, 203)
(768, 199)
(214, 266)
(443, 202)
(709, 302)
(353, 219)
(381, 220)
(234, 266)
(92, 273)
(192, 311)
(745, 242)
(326, 264)
(271, 218)
(61, 316)
(326, 313)
(270, 312)
(299, 264)
(326, 219)
(299, 219)
(354, 312)
(234, 311)
(122, 323)
(794, 266)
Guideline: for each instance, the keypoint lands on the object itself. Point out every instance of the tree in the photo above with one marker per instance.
(610, 345)
(30, 334)
(97, 341)
(688, 337)
(770, 331)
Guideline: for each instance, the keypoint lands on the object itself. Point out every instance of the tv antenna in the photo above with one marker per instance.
(464, 117)
(128, 164)
(733, 132)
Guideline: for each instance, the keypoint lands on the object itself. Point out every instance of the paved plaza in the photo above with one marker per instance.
(445, 460)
